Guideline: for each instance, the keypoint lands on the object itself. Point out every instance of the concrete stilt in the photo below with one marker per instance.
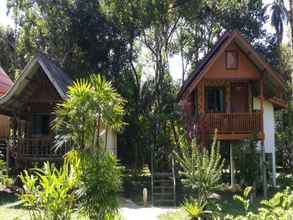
(232, 167)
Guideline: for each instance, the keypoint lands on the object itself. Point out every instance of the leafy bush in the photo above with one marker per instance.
(284, 181)
(247, 159)
(4, 178)
(49, 192)
(244, 200)
(279, 207)
(92, 104)
(196, 209)
(100, 185)
(201, 169)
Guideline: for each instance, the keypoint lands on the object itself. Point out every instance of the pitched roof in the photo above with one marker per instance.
(59, 79)
(56, 75)
(223, 42)
(5, 82)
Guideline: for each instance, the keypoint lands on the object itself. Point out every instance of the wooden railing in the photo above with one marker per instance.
(232, 122)
(38, 149)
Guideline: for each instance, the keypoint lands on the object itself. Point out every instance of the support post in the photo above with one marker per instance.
(232, 168)
(263, 154)
(274, 168)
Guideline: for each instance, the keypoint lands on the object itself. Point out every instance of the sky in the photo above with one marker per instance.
(175, 61)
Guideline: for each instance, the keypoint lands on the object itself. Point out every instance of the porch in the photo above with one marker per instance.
(231, 126)
(37, 149)
(230, 107)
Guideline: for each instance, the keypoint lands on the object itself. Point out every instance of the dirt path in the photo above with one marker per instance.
(131, 211)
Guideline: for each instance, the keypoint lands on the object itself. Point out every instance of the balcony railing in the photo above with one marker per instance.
(242, 123)
(38, 149)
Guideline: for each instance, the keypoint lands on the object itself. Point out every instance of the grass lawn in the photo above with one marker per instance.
(11, 208)
(228, 207)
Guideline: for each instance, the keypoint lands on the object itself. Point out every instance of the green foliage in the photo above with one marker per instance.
(201, 170)
(92, 104)
(280, 206)
(72, 32)
(8, 56)
(247, 161)
(284, 181)
(5, 180)
(100, 184)
(48, 192)
(196, 209)
(244, 199)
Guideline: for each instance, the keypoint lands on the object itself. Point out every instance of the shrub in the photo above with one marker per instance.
(201, 169)
(278, 207)
(100, 185)
(284, 181)
(4, 178)
(247, 159)
(49, 192)
(196, 209)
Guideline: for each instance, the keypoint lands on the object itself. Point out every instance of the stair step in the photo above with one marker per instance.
(163, 187)
(163, 174)
(163, 194)
(163, 181)
(164, 201)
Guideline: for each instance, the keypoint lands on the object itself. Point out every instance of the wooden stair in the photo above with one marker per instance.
(163, 189)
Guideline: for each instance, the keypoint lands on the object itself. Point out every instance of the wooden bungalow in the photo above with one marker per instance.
(236, 92)
(30, 103)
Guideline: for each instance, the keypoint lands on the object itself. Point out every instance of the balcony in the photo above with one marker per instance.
(38, 149)
(231, 126)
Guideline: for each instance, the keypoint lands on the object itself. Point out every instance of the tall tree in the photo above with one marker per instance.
(166, 27)
(8, 58)
(74, 33)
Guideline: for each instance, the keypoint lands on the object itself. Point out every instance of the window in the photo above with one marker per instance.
(232, 59)
(215, 99)
(40, 124)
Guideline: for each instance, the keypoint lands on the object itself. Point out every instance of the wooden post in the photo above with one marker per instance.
(232, 168)
(263, 155)
(203, 96)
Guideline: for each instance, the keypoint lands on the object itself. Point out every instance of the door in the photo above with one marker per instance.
(239, 97)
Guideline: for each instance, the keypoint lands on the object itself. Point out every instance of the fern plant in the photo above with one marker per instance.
(48, 192)
(244, 199)
(201, 169)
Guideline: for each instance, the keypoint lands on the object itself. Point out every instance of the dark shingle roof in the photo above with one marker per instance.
(56, 75)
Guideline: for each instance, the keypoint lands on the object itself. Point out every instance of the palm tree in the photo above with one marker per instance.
(279, 17)
(92, 104)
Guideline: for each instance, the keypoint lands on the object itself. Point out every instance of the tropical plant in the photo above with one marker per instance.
(92, 104)
(196, 209)
(244, 199)
(280, 206)
(48, 192)
(201, 169)
(100, 184)
(5, 180)
(247, 161)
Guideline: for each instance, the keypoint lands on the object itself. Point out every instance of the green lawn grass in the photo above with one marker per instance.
(11, 208)
(227, 204)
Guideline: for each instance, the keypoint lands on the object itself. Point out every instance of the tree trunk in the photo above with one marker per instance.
(291, 27)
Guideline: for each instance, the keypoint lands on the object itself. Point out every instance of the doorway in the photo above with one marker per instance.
(239, 97)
